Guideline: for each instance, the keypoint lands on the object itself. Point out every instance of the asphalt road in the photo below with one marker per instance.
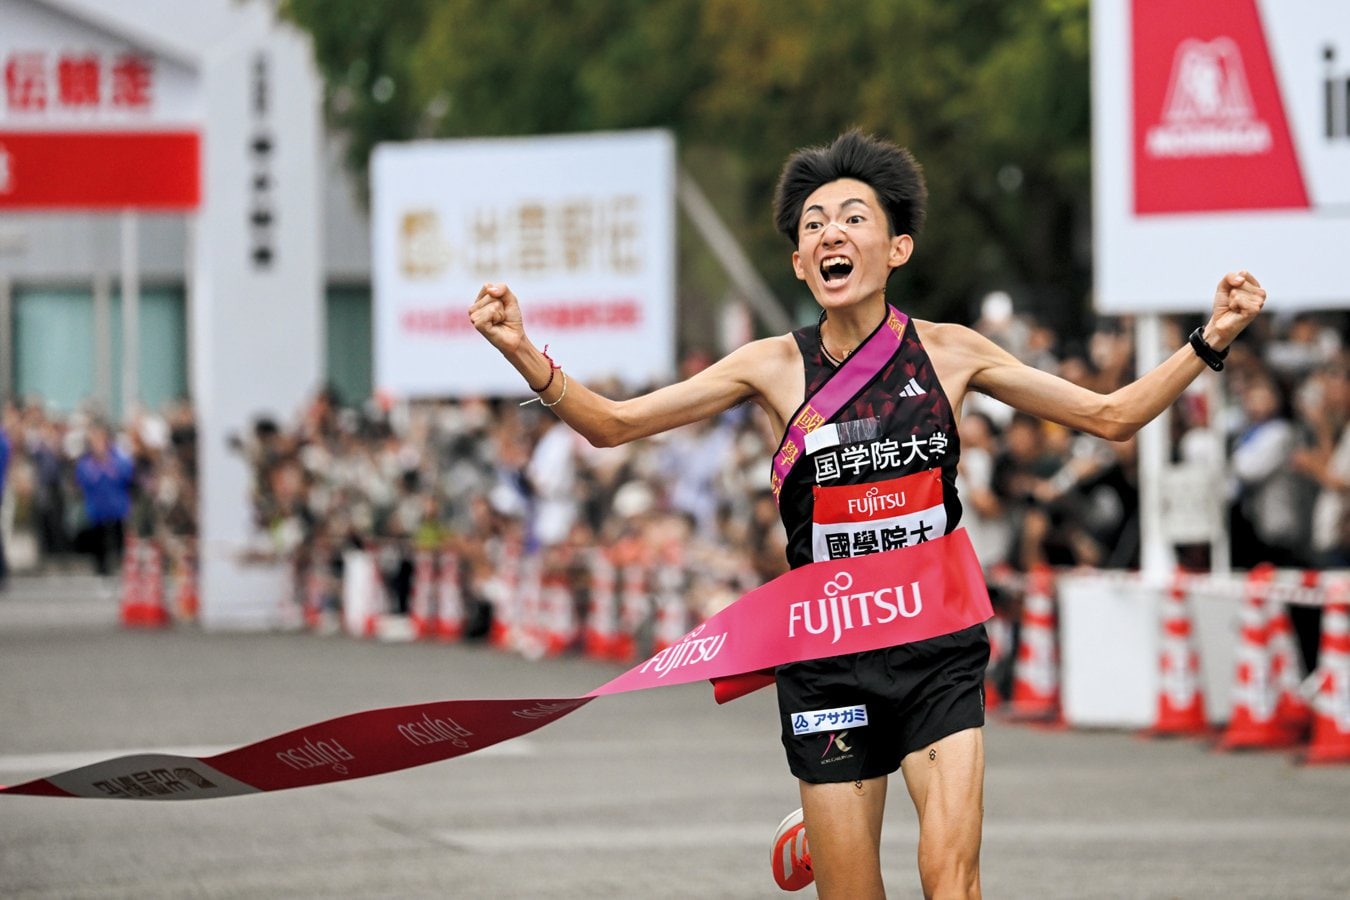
(657, 795)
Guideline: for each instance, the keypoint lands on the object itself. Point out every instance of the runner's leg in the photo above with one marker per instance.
(843, 834)
(946, 783)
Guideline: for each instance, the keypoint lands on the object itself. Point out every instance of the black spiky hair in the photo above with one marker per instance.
(890, 170)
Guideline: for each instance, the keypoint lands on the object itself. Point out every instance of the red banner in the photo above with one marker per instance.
(819, 610)
(100, 170)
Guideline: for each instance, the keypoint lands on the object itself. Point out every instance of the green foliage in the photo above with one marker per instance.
(992, 95)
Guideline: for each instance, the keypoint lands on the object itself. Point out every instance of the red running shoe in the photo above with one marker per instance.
(790, 858)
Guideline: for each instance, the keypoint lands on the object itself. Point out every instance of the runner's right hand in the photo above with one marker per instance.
(496, 315)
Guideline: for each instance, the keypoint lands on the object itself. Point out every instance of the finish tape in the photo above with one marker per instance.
(819, 610)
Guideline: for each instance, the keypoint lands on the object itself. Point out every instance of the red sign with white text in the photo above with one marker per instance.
(100, 170)
(1210, 130)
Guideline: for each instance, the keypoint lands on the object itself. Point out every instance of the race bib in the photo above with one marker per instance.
(857, 519)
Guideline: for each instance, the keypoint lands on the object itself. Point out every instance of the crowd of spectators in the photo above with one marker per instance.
(489, 478)
(479, 473)
(76, 485)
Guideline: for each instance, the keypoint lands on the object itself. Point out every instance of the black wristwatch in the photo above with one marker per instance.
(1212, 358)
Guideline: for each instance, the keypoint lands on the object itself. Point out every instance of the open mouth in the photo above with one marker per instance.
(836, 270)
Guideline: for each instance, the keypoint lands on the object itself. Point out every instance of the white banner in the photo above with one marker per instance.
(582, 227)
(1221, 140)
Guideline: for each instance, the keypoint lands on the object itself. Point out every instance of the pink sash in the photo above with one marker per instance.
(818, 610)
(857, 371)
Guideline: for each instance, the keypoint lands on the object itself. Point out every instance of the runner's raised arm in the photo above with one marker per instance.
(966, 360)
(744, 374)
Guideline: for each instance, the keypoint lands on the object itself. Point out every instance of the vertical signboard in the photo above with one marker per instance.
(257, 291)
(580, 226)
(1221, 141)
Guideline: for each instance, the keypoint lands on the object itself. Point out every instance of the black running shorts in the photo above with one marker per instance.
(853, 717)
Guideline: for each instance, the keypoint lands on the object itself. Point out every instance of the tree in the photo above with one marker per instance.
(992, 96)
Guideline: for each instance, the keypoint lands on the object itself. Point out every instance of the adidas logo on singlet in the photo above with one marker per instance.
(912, 390)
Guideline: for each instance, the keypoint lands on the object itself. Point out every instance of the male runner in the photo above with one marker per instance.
(851, 211)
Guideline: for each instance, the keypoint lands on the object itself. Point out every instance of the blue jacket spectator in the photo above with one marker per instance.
(105, 476)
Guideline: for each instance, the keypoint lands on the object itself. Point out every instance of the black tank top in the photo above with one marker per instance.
(882, 473)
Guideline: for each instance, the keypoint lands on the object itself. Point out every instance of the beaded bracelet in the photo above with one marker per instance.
(552, 367)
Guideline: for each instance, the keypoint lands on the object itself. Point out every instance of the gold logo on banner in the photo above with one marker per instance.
(423, 250)
(895, 324)
(810, 420)
(776, 483)
(790, 453)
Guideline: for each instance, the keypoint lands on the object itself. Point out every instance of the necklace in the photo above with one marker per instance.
(820, 342)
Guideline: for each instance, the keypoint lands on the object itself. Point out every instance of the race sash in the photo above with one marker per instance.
(818, 610)
(855, 374)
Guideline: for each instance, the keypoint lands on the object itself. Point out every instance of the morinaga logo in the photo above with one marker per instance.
(843, 610)
(1209, 109)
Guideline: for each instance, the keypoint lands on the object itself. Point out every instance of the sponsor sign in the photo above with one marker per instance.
(1221, 141)
(829, 719)
(89, 121)
(581, 227)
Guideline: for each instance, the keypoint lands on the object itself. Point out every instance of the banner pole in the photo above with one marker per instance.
(131, 312)
(1157, 556)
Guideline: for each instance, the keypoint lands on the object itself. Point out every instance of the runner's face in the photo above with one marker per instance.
(845, 249)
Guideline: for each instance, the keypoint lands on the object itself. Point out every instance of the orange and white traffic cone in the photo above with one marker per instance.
(1292, 712)
(131, 603)
(156, 605)
(1181, 701)
(602, 613)
(146, 608)
(1252, 724)
(449, 598)
(1330, 742)
(313, 595)
(557, 612)
(422, 603)
(185, 589)
(672, 616)
(633, 608)
(1035, 694)
(504, 594)
(379, 602)
(526, 635)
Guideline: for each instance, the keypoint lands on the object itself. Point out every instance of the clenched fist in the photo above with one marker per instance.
(496, 315)
(1237, 300)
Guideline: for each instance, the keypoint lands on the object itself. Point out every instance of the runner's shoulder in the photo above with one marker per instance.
(767, 354)
(949, 337)
(761, 366)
